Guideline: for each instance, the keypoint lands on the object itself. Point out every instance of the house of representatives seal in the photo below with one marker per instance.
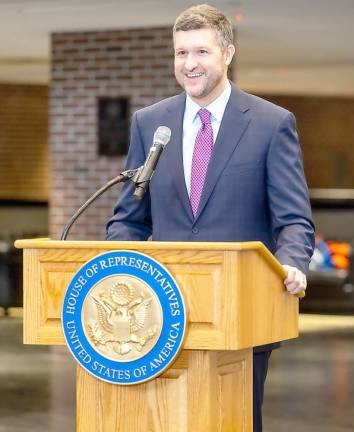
(123, 317)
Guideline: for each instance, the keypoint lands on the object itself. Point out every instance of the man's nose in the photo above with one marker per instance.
(190, 62)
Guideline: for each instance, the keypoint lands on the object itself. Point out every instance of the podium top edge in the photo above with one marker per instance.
(46, 243)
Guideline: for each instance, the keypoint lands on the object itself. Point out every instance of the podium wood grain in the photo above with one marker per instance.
(202, 391)
(235, 299)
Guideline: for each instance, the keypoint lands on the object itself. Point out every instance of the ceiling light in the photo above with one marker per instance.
(239, 17)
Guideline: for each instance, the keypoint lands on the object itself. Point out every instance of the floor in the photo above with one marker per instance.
(310, 386)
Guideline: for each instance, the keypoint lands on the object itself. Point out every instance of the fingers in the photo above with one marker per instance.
(295, 281)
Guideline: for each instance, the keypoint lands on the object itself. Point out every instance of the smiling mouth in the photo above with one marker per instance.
(193, 75)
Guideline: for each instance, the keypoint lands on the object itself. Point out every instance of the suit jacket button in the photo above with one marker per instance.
(195, 230)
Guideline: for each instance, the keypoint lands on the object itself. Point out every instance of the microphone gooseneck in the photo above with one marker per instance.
(121, 178)
(140, 177)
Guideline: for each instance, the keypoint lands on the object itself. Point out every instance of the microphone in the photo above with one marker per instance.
(142, 179)
(140, 176)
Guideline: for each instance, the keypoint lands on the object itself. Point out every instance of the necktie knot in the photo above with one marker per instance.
(205, 116)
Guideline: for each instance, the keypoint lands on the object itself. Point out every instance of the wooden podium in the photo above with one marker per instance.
(235, 300)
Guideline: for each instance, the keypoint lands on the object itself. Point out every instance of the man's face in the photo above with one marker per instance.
(200, 64)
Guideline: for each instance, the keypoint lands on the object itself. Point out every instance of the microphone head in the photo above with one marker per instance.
(162, 135)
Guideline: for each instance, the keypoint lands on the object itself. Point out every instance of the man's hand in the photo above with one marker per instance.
(295, 281)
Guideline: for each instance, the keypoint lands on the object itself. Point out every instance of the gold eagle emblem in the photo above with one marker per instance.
(121, 319)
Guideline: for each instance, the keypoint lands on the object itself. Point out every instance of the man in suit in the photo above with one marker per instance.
(232, 170)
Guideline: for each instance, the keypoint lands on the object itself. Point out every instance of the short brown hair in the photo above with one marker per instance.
(205, 16)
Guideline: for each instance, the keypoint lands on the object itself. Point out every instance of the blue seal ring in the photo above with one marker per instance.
(152, 273)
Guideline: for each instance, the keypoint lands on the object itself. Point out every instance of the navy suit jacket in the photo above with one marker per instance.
(255, 188)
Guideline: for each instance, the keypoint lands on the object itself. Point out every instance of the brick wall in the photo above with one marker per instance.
(23, 142)
(136, 63)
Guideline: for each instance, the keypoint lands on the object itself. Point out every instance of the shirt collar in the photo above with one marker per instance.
(216, 108)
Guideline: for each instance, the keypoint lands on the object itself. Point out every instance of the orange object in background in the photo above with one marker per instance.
(340, 261)
(340, 254)
(330, 254)
(339, 248)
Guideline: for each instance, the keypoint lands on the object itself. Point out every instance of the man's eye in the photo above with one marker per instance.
(180, 53)
(203, 51)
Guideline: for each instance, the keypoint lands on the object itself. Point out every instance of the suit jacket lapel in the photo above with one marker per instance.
(233, 126)
(173, 118)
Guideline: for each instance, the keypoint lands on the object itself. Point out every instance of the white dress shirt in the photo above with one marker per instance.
(192, 124)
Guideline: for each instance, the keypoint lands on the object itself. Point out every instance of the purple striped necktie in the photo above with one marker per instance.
(201, 156)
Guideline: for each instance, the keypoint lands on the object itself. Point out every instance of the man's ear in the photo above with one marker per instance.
(229, 53)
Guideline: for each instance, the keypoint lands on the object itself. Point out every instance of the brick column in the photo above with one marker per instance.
(134, 63)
